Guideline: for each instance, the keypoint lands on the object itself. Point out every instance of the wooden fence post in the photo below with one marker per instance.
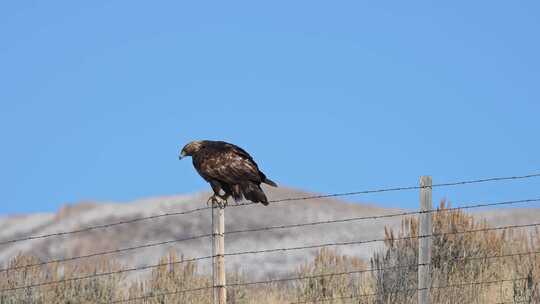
(219, 255)
(424, 242)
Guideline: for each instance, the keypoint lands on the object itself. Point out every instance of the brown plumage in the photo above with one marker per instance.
(229, 168)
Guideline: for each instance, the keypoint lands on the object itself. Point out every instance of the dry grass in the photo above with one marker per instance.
(393, 285)
(323, 287)
(449, 267)
(168, 279)
(99, 289)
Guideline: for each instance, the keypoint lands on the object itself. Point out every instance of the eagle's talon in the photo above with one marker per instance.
(217, 200)
(211, 200)
(221, 202)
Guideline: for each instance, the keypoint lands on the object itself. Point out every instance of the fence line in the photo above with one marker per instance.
(333, 274)
(321, 300)
(379, 240)
(378, 269)
(285, 249)
(515, 302)
(102, 226)
(467, 182)
(106, 252)
(374, 217)
(413, 289)
(353, 219)
(29, 238)
(260, 251)
(162, 294)
(95, 275)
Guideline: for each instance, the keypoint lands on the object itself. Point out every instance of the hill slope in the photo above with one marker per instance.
(182, 226)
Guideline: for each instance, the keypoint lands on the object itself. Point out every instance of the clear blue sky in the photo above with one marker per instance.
(97, 97)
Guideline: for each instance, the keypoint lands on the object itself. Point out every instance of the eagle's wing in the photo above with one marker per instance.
(230, 164)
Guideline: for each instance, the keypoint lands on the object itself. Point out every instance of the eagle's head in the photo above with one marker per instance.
(191, 148)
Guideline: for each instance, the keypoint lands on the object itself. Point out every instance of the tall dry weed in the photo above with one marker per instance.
(464, 254)
(90, 290)
(321, 287)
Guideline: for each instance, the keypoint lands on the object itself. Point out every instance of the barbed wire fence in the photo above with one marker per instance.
(218, 256)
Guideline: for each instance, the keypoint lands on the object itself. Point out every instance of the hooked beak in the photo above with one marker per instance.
(182, 155)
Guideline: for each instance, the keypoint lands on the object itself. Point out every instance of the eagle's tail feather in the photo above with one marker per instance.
(269, 182)
(254, 193)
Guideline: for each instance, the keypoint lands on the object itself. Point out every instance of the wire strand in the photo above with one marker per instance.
(271, 201)
(377, 240)
(374, 217)
(255, 252)
(322, 300)
(95, 275)
(381, 269)
(149, 245)
(409, 290)
(346, 273)
(265, 229)
(160, 294)
(106, 253)
(28, 238)
(474, 181)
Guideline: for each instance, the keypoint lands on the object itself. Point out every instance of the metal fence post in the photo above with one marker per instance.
(424, 241)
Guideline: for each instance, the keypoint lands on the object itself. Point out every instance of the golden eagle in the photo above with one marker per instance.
(229, 168)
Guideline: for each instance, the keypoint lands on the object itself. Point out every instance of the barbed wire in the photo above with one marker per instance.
(149, 245)
(317, 300)
(103, 226)
(95, 275)
(116, 251)
(89, 228)
(378, 240)
(474, 181)
(463, 258)
(280, 280)
(376, 269)
(256, 252)
(374, 217)
(161, 294)
(411, 289)
(515, 302)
